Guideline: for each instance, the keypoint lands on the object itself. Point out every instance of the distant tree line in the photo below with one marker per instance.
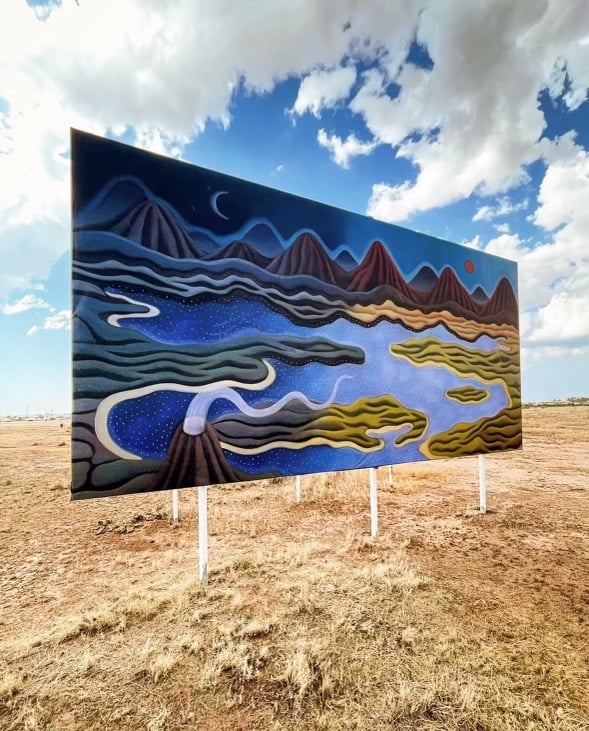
(570, 401)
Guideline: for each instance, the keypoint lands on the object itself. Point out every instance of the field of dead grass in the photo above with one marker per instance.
(448, 621)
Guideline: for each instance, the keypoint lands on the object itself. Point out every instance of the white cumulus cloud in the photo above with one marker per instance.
(475, 243)
(472, 123)
(564, 193)
(60, 321)
(504, 208)
(554, 274)
(343, 151)
(25, 303)
(561, 321)
(160, 71)
(155, 70)
(509, 246)
(322, 89)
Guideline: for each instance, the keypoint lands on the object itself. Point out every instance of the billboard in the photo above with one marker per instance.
(224, 331)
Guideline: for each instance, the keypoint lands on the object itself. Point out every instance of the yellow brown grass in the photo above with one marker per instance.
(449, 621)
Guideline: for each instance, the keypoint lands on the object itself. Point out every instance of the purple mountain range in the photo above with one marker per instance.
(155, 227)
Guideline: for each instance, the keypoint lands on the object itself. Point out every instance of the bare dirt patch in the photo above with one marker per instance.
(450, 620)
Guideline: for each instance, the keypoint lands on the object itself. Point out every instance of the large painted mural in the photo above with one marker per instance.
(224, 331)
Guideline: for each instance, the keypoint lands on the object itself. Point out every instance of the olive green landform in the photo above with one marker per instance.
(354, 422)
(495, 433)
(468, 395)
(354, 425)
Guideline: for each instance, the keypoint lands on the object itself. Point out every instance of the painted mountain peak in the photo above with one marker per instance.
(503, 298)
(243, 251)
(479, 294)
(377, 269)
(155, 227)
(114, 200)
(265, 240)
(306, 256)
(449, 289)
(424, 280)
(346, 261)
(196, 460)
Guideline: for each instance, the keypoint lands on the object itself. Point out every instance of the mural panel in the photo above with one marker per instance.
(224, 331)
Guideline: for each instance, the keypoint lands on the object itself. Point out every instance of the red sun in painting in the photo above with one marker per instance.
(469, 266)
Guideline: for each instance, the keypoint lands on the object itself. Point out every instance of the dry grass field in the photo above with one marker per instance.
(448, 621)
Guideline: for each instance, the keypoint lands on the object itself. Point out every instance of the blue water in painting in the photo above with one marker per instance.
(422, 389)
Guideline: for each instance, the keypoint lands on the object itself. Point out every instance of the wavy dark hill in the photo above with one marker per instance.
(240, 250)
(195, 460)
(154, 227)
(502, 300)
(450, 290)
(425, 279)
(307, 257)
(377, 269)
(263, 238)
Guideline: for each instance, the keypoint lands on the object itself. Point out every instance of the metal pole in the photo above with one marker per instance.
(390, 475)
(298, 489)
(175, 506)
(373, 504)
(482, 484)
(203, 536)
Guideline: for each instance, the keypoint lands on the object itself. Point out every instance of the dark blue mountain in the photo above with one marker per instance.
(113, 201)
(480, 295)
(425, 279)
(263, 238)
(240, 250)
(346, 261)
(203, 242)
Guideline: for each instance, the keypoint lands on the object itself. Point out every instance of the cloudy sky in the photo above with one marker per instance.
(463, 119)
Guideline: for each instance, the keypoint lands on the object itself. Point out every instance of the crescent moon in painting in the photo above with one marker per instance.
(214, 206)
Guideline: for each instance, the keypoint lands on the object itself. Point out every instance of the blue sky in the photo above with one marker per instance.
(466, 122)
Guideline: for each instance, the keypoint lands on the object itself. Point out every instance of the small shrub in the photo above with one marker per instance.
(310, 671)
(10, 685)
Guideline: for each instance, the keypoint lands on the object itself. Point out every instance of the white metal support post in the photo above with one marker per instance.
(175, 506)
(203, 536)
(482, 484)
(373, 504)
(390, 475)
(298, 489)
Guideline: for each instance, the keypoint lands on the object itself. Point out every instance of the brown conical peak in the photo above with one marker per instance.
(449, 289)
(195, 460)
(307, 257)
(378, 269)
(503, 300)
